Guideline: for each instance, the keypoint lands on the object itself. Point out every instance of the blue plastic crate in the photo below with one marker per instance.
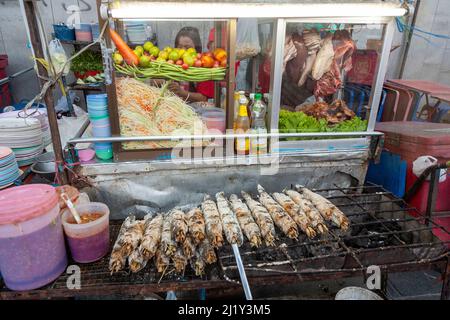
(389, 173)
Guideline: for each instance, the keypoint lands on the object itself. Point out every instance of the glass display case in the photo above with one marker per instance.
(319, 66)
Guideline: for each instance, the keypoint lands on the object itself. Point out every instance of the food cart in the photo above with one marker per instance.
(332, 162)
(321, 158)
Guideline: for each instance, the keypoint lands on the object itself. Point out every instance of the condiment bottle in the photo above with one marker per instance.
(242, 126)
(258, 113)
(236, 107)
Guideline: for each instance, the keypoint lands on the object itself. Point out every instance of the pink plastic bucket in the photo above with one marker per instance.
(32, 249)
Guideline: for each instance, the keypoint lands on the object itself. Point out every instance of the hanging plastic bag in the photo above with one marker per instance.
(424, 162)
(58, 57)
(247, 39)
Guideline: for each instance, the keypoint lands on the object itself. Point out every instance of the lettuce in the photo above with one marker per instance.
(292, 122)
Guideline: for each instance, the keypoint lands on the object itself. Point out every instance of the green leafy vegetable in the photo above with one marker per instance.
(87, 61)
(293, 122)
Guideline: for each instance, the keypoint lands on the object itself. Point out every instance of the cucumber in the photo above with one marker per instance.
(91, 79)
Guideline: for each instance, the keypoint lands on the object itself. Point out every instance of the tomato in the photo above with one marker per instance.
(220, 54)
(199, 56)
(209, 54)
(179, 62)
(197, 63)
(170, 61)
(223, 63)
(216, 64)
(185, 66)
(207, 61)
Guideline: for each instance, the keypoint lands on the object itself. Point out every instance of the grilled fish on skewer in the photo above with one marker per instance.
(179, 225)
(136, 261)
(308, 208)
(327, 209)
(262, 218)
(196, 225)
(207, 252)
(279, 216)
(230, 223)
(213, 225)
(132, 237)
(246, 221)
(162, 261)
(188, 247)
(198, 264)
(152, 236)
(118, 259)
(168, 246)
(296, 213)
(179, 260)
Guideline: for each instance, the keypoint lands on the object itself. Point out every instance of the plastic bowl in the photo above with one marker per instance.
(92, 113)
(356, 293)
(103, 145)
(88, 242)
(104, 154)
(101, 121)
(101, 131)
(86, 155)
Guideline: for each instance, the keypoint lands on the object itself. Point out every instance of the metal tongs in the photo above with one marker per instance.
(71, 207)
(240, 265)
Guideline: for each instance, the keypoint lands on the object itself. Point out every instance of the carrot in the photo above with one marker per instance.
(128, 55)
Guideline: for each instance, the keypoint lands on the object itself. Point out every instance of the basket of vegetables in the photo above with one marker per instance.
(88, 67)
(148, 61)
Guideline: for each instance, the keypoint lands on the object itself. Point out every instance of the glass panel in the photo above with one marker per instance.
(328, 71)
(162, 103)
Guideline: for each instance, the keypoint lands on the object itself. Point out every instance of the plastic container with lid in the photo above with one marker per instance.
(88, 242)
(32, 249)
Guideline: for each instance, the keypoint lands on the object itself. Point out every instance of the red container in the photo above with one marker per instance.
(86, 74)
(364, 65)
(5, 95)
(411, 140)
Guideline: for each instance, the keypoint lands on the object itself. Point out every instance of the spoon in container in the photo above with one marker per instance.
(71, 207)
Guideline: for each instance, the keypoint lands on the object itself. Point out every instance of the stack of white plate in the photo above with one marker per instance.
(40, 114)
(23, 136)
(136, 33)
(9, 170)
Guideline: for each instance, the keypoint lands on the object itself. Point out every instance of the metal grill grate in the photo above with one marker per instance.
(383, 232)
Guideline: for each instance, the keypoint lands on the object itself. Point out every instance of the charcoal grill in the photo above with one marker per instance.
(384, 232)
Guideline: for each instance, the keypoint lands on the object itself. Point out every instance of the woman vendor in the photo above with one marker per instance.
(189, 37)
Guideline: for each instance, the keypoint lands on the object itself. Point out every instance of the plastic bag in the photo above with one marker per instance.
(69, 127)
(58, 57)
(422, 163)
(247, 38)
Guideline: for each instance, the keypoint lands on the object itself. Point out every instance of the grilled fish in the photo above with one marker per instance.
(296, 213)
(308, 208)
(327, 209)
(213, 225)
(279, 216)
(196, 225)
(262, 218)
(246, 221)
(152, 236)
(230, 223)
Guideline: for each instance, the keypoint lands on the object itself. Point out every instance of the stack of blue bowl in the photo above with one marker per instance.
(97, 105)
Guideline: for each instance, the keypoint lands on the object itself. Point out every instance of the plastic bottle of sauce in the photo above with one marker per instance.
(236, 107)
(242, 126)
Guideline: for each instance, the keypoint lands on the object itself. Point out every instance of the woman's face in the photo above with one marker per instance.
(185, 43)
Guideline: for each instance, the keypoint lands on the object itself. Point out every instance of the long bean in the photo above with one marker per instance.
(159, 69)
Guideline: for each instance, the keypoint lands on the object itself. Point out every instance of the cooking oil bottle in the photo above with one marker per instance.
(237, 96)
(258, 126)
(242, 126)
